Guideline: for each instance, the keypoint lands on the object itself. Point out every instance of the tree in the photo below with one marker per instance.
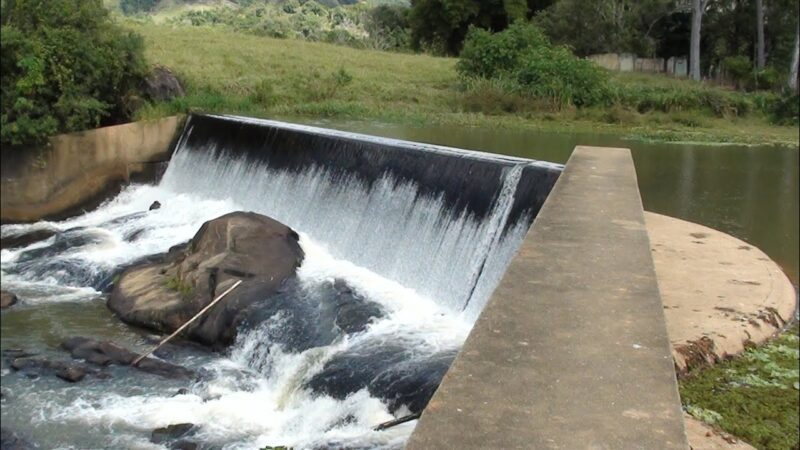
(441, 25)
(795, 60)
(604, 26)
(761, 59)
(698, 8)
(65, 67)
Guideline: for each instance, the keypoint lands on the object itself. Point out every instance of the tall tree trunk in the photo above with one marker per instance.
(698, 7)
(795, 60)
(761, 59)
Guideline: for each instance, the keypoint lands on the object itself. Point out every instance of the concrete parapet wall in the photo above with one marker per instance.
(76, 169)
(628, 62)
(572, 349)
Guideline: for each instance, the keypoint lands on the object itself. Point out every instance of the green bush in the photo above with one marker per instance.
(489, 55)
(65, 67)
(522, 53)
(785, 110)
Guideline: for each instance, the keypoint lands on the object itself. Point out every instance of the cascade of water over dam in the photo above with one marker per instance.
(420, 233)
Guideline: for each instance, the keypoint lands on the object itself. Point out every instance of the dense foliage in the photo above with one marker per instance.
(440, 26)
(523, 55)
(383, 27)
(65, 67)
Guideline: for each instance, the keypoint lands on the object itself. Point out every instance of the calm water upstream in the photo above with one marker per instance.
(750, 192)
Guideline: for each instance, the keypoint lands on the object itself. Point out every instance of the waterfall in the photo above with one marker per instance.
(417, 235)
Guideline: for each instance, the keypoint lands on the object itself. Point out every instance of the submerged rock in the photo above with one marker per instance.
(7, 299)
(25, 239)
(240, 245)
(175, 436)
(10, 441)
(390, 372)
(155, 205)
(35, 367)
(104, 353)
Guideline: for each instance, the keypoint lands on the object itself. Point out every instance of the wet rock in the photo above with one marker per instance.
(174, 436)
(390, 372)
(162, 85)
(72, 373)
(181, 391)
(353, 312)
(247, 246)
(11, 441)
(7, 299)
(17, 353)
(155, 205)
(35, 367)
(183, 444)
(25, 239)
(51, 261)
(104, 353)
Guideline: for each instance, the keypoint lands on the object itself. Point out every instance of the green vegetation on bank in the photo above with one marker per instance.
(753, 396)
(65, 67)
(267, 77)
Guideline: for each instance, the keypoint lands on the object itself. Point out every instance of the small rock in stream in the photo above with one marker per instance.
(174, 436)
(34, 367)
(7, 299)
(104, 353)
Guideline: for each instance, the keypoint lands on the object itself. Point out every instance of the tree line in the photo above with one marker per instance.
(755, 42)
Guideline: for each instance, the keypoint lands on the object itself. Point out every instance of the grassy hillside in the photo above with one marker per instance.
(230, 72)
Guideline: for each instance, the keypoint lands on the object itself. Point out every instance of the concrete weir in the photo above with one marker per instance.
(571, 350)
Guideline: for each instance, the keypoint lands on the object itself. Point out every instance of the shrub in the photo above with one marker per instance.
(488, 55)
(522, 53)
(65, 67)
(785, 110)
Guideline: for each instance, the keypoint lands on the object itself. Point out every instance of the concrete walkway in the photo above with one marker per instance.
(718, 291)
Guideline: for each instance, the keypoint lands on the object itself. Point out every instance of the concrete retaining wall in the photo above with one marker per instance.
(572, 350)
(78, 170)
(628, 62)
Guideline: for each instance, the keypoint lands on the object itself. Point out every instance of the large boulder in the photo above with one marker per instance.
(237, 246)
(162, 85)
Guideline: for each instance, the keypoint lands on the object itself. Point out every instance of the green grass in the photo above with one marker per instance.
(229, 72)
(175, 284)
(754, 397)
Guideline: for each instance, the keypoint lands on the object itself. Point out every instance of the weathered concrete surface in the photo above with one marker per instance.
(704, 437)
(718, 292)
(78, 168)
(571, 351)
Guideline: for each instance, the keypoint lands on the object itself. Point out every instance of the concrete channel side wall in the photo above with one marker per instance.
(571, 351)
(77, 170)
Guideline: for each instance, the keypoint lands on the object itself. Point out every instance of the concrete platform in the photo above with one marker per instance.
(719, 292)
(571, 351)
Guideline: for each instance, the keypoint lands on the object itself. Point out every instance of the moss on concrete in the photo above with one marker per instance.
(754, 396)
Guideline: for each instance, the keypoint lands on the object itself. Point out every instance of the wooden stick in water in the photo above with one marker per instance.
(398, 421)
(202, 311)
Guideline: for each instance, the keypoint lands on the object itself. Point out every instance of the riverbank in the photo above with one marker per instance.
(266, 77)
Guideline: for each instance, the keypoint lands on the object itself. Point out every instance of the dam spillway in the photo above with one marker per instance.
(425, 232)
(441, 220)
